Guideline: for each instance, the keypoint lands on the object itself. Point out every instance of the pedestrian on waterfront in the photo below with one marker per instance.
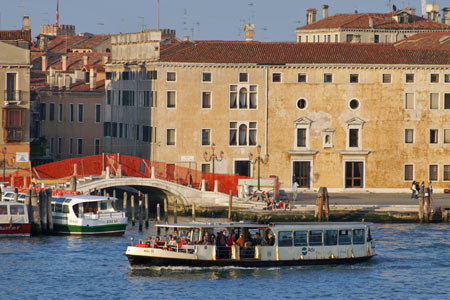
(430, 194)
(295, 190)
(415, 190)
(422, 188)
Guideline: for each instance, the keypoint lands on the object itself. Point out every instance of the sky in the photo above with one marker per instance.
(275, 20)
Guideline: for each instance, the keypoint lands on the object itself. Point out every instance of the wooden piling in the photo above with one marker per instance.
(326, 203)
(146, 209)
(114, 194)
(140, 213)
(158, 213)
(28, 204)
(175, 211)
(43, 210)
(427, 208)
(166, 215)
(421, 202)
(49, 212)
(230, 205)
(16, 194)
(133, 222)
(445, 215)
(125, 203)
(193, 212)
(36, 221)
(73, 183)
(318, 213)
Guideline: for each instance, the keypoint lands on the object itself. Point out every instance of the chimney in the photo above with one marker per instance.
(249, 29)
(446, 15)
(44, 63)
(105, 59)
(26, 23)
(51, 81)
(411, 10)
(85, 60)
(311, 15)
(60, 82)
(186, 38)
(324, 11)
(370, 22)
(43, 43)
(64, 62)
(92, 79)
(68, 81)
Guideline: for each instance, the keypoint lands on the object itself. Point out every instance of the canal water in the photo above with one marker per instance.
(413, 262)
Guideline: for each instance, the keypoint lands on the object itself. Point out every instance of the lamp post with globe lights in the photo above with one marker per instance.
(258, 159)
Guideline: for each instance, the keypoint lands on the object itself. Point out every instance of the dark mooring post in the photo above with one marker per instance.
(158, 213)
(175, 211)
(35, 221)
(230, 205)
(319, 206)
(166, 213)
(326, 203)
(49, 212)
(73, 183)
(114, 196)
(132, 210)
(125, 203)
(421, 200)
(427, 208)
(43, 210)
(146, 209)
(140, 212)
(193, 212)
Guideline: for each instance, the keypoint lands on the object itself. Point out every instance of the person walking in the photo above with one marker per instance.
(414, 190)
(295, 190)
(430, 195)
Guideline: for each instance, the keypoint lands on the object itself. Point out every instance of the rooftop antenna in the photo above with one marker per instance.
(264, 29)
(57, 13)
(251, 19)
(198, 28)
(143, 25)
(242, 21)
(158, 14)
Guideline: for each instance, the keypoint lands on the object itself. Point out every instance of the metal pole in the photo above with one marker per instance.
(259, 165)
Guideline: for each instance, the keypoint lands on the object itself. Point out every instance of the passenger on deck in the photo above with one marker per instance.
(230, 241)
(157, 243)
(271, 240)
(240, 240)
(212, 240)
(205, 238)
(176, 235)
(256, 239)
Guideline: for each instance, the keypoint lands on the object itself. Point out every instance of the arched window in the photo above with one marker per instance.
(243, 98)
(243, 134)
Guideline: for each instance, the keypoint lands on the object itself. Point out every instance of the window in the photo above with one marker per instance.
(409, 101)
(108, 75)
(434, 101)
(345, 237)
(446, 136)
(206, 137)
(206, 167)
(353, 104)
(276, 77)
(52, 145)
(447, 172)
(233, 96)
(243, 77)
(97, 146)
(349, 38)
(243, 134)
(243, 98)
(433, 173)
(60, 112)
(387, 38)
(336, 38)
(387, 78)
(171, 99)
(120, 130)
(206, 77)
(79, 146)
(51, 116)
(11, 92)
(327, 78)
(170, 137)
(127, 98)
(80, 112)
(434, 78)
(331, 237)
(146, 133)
(447, 78)
(137, 132)
(409, 78)
(126, 75)
(206, 99)
(354, 78)
(14, 120)
(152, 75)
(42, 111)
(114, 129)
(353, 134)
(125, 131)
(446, 101)
(59, 146)
(409, 136)
(108, 97)
(253, 96)
(171, 76)
(376, 38)
(146, 98)
(409, 172)
(284, 238)
(98, 109)
(107, 129)
(300, 238)
(301, 77)
(315, 238)
(301, 137)
(358, 236)
(71, 112)
(70, 146)
(434, 133)
(301, 104)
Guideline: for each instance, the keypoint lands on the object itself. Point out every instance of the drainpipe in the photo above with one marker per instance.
(266, 129)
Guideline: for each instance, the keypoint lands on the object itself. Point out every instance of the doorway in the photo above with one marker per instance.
(353, 174)
(302, 171)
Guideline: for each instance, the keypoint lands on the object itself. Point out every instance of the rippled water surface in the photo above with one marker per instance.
(413, 262)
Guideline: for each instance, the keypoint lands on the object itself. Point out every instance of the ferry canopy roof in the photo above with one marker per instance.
(76, 199)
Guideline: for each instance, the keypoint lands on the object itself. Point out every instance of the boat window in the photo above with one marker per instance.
(300, 238)
(17, 210)
(53, 207)
(76, 210)
(58, 208)
(285, 239)
(315, 238)
(103, 205)
(65, 209)
(3, 210)
(331, 237)
(345, 237)
(358, 236)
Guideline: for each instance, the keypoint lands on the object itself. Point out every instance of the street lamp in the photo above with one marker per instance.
(213, 157)
(259, 160)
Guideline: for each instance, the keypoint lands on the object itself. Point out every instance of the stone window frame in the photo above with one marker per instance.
(324, 77)
(438, 101)
(354, 76)
(298, 77)
(209, 137)
(435, 79)
(413, 101)
(306, 103)
(410, 79)
(444, 178)
(405, 141)
(247, 79)
(174, 143)
(210, 99)
(238, 88)
(237, 132)
(280, 79)
(429, 172)
(174, 73)
(210, 77)
(443, 137)
(302, 123)
(390, 78)
(437, 136)
(354, 109)
(330, 133)
(404, 172)
(354, 123)
(167, 99)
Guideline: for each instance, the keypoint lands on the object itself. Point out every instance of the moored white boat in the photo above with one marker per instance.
(14, 219)
(291, 244)
(87, 215)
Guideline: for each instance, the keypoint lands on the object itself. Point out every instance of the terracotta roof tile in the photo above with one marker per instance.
(14, 35)
(299, 53)
(428, 40)
(91, 42)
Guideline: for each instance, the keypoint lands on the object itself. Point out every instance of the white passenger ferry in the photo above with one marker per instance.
(87, 215)
(256, 245)
(14, 219)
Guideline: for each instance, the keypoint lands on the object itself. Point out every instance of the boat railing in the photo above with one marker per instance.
(103, 215)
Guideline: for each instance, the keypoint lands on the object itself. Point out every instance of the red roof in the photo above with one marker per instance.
(428, 40)
(91, 42)
(74, 60)
(14, 35)
(379, 21)
(234, 52)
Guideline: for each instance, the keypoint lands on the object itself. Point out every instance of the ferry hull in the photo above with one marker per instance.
(246, 263)
(108, 230)
(15, 230)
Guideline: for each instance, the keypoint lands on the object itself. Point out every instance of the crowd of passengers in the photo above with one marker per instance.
(223, 241)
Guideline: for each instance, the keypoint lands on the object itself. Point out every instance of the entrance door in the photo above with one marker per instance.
(242, 167)
(353, 174)
(302, 170)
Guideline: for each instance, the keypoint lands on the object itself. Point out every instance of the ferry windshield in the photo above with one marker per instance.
(17, 210)
(3, 210)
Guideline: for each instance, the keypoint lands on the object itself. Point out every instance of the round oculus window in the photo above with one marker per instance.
(354, 104)
(301, 103)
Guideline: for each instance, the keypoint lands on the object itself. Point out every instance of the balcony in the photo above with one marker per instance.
(14, 134)
(14, 96)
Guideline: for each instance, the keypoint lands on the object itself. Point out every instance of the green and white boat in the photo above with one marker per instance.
(87, 215)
